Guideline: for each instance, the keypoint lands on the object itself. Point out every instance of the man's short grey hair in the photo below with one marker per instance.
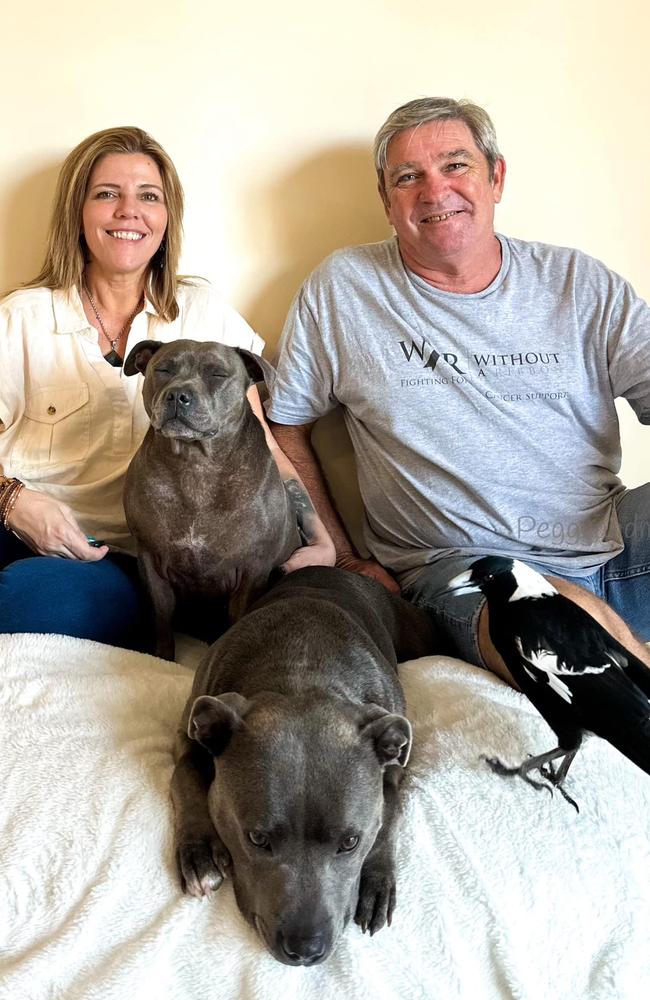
(436, 109)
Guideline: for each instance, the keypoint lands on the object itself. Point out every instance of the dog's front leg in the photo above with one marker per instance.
(163, 602)
(377, 893)
(201, 856)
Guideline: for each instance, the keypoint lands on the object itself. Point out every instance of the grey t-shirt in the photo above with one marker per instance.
(481, 423)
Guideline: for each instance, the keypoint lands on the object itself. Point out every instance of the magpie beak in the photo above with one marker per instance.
(463, 584)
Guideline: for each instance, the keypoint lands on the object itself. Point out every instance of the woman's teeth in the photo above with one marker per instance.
(120, 234)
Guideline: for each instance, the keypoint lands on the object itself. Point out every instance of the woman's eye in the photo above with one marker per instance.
(150, 196)
(348, 845)
(258, 839)
(103, 195)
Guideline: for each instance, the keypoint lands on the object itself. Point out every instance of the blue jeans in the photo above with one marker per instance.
(90, 600)
(623, 582)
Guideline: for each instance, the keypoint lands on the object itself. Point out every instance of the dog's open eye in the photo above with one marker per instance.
(259, 839)
(347, 845)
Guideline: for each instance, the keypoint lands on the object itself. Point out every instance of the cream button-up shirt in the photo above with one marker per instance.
(70, 422)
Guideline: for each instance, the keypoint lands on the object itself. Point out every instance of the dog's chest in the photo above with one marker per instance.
(211, 545)
(193, 563)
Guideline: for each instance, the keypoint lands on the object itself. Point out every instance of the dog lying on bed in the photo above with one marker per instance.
(203, 496)
(292, 752)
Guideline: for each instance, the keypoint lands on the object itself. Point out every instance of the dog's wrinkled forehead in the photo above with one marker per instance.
(190, 356)
(276, 745)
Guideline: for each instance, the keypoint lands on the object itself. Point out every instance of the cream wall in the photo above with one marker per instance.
(269, 112)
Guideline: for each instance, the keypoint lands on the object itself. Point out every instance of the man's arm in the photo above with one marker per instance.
(295, 442)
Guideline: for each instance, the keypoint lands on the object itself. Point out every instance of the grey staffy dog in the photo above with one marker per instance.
(292, 750)
(203, 496)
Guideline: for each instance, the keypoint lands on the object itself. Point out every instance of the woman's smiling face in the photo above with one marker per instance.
(124, 213)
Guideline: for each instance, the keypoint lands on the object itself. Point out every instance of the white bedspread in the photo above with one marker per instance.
(502, 892)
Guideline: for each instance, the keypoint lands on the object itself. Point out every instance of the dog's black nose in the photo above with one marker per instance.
(302, 950)
(182, 397)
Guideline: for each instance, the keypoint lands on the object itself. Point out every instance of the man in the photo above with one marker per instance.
(477, 375)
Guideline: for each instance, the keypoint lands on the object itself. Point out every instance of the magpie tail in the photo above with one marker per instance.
(634, 743)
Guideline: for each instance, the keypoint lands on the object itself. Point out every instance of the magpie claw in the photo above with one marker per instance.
(556, 778)
(536, 784)
(553, 777)
(566, 796)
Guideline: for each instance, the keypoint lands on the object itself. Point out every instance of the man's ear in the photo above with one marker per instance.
(391, 734)
(258, 368)
(213, 721)
(498, 179)
(140, 356)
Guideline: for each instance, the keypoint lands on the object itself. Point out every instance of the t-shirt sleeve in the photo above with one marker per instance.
(629, 351)
(303, 387)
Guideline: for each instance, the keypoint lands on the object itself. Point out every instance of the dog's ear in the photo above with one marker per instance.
(258, 368)
(140, 356)
(391, 734)
(213, 720)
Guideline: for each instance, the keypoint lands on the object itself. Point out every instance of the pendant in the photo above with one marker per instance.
(114, 359)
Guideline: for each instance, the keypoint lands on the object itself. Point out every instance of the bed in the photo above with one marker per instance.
(503, 892)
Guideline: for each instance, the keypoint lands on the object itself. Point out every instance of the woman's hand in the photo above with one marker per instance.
(317, 553)
(49, 528)
(318, 549)
(371, 568)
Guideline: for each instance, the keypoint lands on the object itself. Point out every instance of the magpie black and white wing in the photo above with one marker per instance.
(604, 687)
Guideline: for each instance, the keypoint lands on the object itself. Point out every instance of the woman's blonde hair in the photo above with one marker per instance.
(65, 256)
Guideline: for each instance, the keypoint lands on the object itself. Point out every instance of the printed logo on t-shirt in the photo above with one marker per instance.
(486, 369)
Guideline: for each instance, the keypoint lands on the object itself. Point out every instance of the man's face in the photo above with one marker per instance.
(439, 196)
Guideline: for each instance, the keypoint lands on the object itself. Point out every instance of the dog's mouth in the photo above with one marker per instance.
(173, 421)
(180, 427)
(261, 929)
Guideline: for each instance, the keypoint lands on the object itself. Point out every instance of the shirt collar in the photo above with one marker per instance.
(69, 315)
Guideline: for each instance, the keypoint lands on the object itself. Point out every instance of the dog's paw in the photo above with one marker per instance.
(202, 864)
(377, 898)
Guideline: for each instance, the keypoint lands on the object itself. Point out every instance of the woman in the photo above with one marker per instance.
(69, 420)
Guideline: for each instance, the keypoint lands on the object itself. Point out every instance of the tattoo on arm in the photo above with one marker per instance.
(302, 508)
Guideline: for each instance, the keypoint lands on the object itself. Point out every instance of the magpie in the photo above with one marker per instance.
(578, 677)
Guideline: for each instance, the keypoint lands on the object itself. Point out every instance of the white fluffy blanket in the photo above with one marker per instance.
(503, 891)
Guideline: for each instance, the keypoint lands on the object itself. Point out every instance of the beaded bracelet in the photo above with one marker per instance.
(8, 498)
(9, 487)
(6, 489)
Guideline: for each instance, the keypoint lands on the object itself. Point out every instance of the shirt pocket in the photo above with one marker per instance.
(55, 429)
